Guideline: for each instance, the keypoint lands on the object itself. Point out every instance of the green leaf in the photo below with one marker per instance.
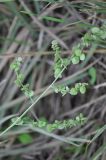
(25, 138)
(93, 75)
(60, 20)
(53, 19)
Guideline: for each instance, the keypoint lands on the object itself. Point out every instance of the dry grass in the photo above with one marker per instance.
(30, 36)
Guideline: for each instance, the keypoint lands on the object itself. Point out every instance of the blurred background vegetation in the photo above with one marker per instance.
(27, 28)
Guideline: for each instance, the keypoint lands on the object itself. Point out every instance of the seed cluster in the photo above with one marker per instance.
(50, 127)
(15, 65)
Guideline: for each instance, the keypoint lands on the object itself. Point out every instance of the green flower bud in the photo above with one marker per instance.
(17, 82)
(14, 66)
(41, 123)
(75, 60)
(82, 89)
(31, 93)
(49, 128)
(61, 126)
(82, 57)
(73, 91)
(77, 86)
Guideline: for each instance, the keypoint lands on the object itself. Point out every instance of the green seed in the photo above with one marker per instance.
(73, 91)
(75, 60)
(77, 86)
(82, 89)
(82, 57)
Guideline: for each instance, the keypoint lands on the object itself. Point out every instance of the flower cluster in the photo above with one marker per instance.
(65, 124)
(98, 33)
(59, 62)
(78, 55)
(78, 88)
(15, 65)
(42, 123)
(95, 35)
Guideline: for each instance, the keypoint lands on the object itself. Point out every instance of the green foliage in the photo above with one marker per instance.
(82, 57)
(94, 35)
(78, 88)
(59, 62)
(86, 40)
(93, 75)
(25, 138)
(73, 91)
(53, 19)
(42, 123)
(27, 91)
(75, 59)
(98, 33)
(19, 121)
(15, 65)
(49, 18)
(78, 54)
(62, 89)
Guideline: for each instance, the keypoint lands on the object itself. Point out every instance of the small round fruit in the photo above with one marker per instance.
(82, 89)
(75, 60)
(77, 86)
(73, 91)
(82, 57)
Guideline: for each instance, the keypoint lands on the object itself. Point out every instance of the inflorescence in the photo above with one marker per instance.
(95, 35)
(15, 65)
(78, 88)
(42, 123)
